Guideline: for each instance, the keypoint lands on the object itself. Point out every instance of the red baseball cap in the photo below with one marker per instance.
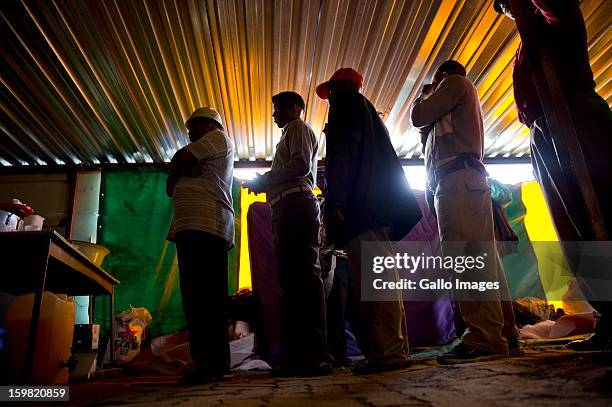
(342, 74)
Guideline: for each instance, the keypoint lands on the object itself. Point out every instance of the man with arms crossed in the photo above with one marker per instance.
(200, 184)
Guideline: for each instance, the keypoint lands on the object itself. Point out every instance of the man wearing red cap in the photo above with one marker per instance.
(559, 26)
(368, 200)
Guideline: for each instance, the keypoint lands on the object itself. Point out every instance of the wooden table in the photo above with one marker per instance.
(45, 261)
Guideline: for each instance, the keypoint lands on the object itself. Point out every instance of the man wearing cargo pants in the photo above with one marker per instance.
(453, 158)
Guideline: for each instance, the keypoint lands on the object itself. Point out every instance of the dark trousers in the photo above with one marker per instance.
(593, 122)
(202, 259)
(295, 223)
(337, 304)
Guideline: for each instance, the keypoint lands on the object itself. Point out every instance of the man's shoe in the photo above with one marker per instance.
(196, 377)
(367, 367)
(324, 369)
(514, 347)
(594, 343)
(463, 353)
(346, 363)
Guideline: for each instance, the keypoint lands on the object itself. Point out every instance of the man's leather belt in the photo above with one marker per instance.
(460, 163)
(289, 191)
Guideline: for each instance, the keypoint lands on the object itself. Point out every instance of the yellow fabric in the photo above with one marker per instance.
(537, 222)
(246, 199)
(540, 228)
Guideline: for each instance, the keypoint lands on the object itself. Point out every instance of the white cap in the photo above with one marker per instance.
(207, 112)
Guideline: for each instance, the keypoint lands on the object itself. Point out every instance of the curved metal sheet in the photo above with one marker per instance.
(113, 80)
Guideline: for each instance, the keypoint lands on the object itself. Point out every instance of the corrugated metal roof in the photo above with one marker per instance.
(112, 80)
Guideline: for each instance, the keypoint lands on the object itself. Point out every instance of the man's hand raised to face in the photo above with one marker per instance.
(428, 88)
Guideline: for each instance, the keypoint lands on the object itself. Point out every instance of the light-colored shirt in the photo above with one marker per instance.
(454, 109)
(205, 202)
(295, 160)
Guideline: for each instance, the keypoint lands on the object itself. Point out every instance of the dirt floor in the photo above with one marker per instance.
(543, 377)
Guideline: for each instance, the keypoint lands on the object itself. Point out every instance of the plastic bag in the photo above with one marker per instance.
(129, 327)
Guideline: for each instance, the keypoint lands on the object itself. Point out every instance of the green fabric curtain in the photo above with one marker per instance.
(521, 267)
(135, 215)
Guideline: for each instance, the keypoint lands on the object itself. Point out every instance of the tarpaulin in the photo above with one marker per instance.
(521, 267)
(135, 215)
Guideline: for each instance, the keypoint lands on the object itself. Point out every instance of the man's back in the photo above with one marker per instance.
(558, 26)
(363, 172)
(204, 202)
(454, 110)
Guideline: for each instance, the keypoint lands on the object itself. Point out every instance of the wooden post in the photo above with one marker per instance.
(557, 114)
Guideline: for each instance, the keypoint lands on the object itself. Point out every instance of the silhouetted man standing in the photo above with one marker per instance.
(462, 200)
(559, 26)
(368, 200)
(200, 184)
(295, 224)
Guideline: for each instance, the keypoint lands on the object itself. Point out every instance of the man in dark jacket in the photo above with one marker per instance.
(368, 200)
(559, 26)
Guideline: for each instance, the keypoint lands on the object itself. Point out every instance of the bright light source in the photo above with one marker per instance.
(504, 173)
(169, 153)
(511, 173)
(416, 176)
(248, 173)
(5, 163)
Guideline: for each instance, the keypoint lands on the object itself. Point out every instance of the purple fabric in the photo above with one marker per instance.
(352, 348)
(429, 323)
(264, 277)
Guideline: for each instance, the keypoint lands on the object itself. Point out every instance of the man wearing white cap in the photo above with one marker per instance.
(200, 184)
